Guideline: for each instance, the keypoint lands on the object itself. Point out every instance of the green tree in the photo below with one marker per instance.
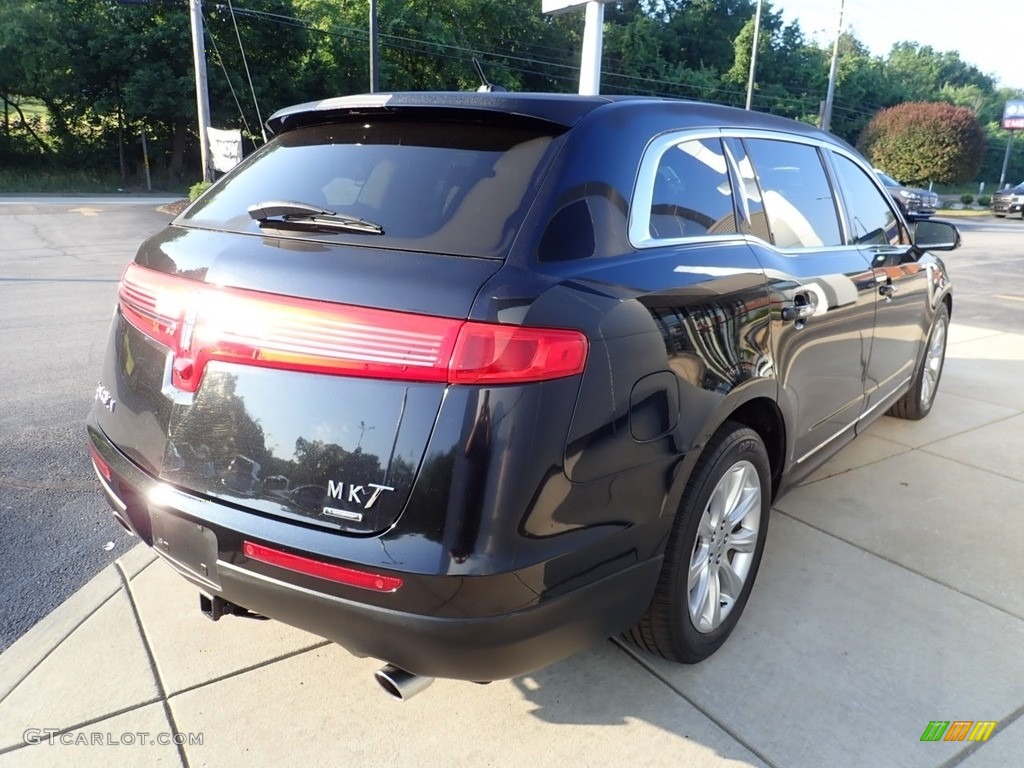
(107, 69)
(791, 76)
(919, 72)
(919, 142)
(702, 31)
(861, 88)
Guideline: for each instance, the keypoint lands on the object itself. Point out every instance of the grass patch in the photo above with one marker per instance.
(962, 213)
(69, 182)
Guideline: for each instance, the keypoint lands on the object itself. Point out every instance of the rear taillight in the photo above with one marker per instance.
(200, 323)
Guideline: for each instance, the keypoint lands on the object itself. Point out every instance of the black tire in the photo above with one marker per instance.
(918, 400)
(734, 457)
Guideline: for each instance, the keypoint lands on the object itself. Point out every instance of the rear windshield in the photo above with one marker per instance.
(438, 187)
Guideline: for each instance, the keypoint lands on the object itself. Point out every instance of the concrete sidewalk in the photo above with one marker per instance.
(891, 595)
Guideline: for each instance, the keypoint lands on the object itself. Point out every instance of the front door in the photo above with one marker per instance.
(900, 281)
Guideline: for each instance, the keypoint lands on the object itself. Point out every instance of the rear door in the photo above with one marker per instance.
(822, 290)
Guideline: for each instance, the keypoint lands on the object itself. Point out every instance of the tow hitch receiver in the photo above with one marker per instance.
(215, 607)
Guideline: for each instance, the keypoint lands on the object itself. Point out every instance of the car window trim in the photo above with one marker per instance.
(638, 227)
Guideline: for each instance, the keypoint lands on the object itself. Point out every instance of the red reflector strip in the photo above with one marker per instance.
(200, 323)
(101, 466)
(338, 573)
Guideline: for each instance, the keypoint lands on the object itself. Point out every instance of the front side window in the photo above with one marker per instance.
(797, 196)
(692, 195)
(872, 219)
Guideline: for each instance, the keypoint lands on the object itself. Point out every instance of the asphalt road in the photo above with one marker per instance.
(59, 267)
(60, 260)
(988, 273)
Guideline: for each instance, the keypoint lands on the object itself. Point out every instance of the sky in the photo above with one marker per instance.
(985, 34)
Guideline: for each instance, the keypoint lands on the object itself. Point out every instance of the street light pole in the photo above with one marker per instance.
(593, 39)
(590, 57)
(753, 55)
(202, 98)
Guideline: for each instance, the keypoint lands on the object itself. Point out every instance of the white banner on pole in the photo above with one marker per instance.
(225, 148)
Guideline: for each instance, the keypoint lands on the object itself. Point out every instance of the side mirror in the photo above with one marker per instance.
(936, 236)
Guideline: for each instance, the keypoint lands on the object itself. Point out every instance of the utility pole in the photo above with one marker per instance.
(202, 98)
(826, 113)
(1006, 161)
(753, 55)
(374, 64)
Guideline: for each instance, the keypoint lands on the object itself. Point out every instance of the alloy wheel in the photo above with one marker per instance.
(723, 551)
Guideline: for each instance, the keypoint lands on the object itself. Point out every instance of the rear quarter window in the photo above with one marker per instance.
(683, 191)
(692, 194)
(439, 187)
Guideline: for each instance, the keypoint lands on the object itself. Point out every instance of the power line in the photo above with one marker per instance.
(525, 60)
(245, 63)
(231, 87)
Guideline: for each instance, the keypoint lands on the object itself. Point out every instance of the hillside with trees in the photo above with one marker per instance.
(81, 81)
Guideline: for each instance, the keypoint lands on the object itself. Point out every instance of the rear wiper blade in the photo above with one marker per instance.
(303, 213)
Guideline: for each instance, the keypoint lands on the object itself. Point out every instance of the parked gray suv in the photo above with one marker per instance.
(915, 203)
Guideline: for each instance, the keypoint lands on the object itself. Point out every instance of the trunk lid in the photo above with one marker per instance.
(278, 435)
(286, 344)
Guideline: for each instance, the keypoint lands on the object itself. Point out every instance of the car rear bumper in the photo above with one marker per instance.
(204, 540)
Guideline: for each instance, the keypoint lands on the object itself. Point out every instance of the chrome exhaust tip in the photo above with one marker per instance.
(400, 684)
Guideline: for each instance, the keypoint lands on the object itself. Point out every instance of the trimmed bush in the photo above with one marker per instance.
(918, 142)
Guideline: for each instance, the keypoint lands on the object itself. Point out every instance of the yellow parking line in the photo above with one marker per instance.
(1010, 298)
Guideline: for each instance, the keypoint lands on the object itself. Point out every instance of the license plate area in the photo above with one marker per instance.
(189, 547)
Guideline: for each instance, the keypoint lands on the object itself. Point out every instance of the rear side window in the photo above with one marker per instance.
(692, 194)
(796, 194)
(438, 187)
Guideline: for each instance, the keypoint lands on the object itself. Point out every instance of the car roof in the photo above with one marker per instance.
(558, 109)
(564, 110)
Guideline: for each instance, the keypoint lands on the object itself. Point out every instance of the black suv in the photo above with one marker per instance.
(1008, 201)
(466, 382)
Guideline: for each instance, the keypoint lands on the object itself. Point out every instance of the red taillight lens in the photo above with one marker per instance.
(338, 573)
(503, 354)
(200, 323)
